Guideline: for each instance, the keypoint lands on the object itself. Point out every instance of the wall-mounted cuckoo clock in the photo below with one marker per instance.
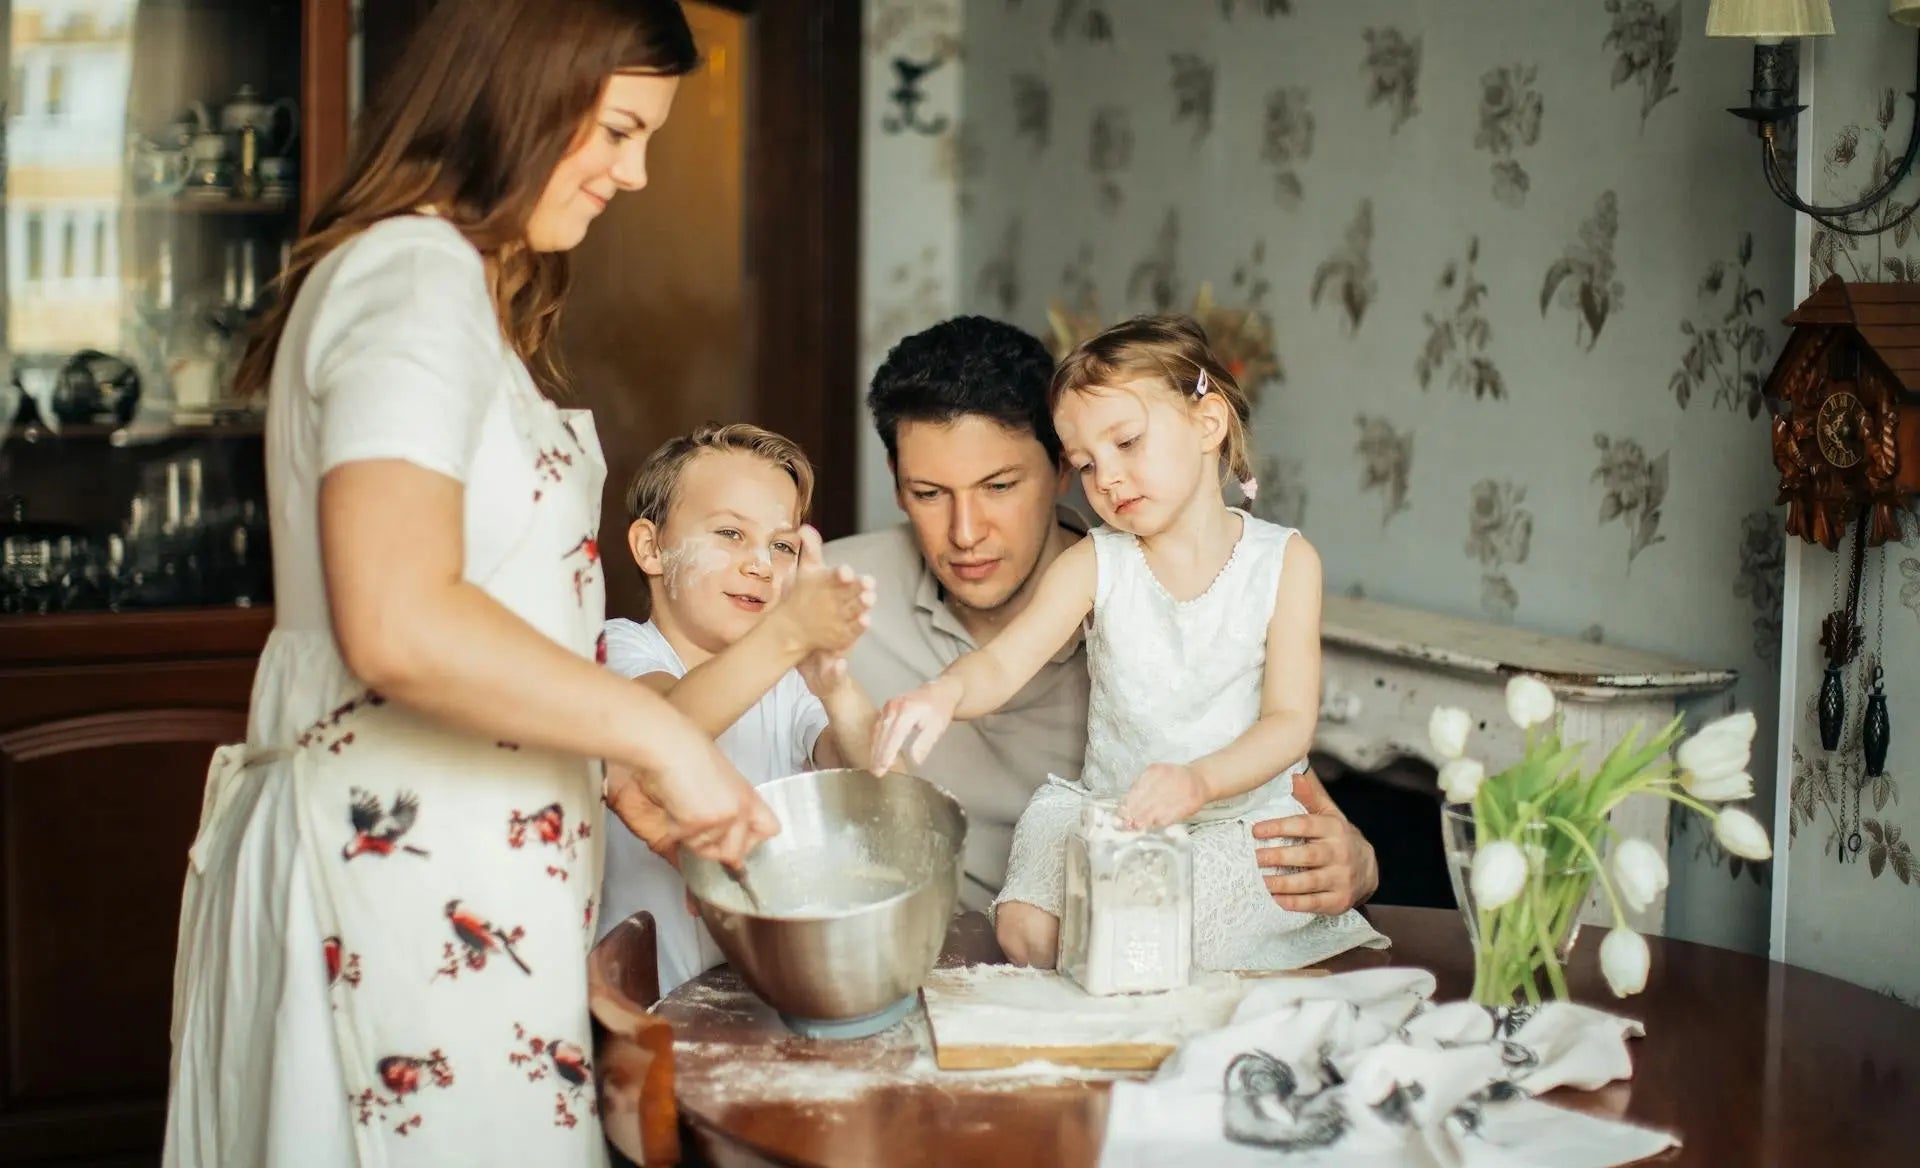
(1845, 396)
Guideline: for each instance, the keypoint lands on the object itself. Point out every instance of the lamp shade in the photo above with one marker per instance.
(1904, 11)
(1779, 18)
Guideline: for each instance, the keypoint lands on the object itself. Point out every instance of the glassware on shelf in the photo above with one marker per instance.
(137, 269)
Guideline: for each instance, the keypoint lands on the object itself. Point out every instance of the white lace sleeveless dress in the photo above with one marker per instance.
(1173, 681)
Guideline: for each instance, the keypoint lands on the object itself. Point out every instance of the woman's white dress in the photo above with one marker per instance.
(383, 939)
(1173, 681)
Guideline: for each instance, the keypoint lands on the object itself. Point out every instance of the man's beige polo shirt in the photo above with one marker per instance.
(990, 764)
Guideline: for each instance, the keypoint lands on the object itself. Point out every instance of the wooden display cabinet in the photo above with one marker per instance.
(135, 582)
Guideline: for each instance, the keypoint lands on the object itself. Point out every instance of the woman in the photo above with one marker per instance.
(383, 941)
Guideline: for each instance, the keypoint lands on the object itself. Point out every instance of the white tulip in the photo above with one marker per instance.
(1639, 872)
(1461, 779)
(1624, 961)
(1721, 748)
(1529, 702)
(1741, 834)
(1725, 789)
(1448, 729)
(1499, 873)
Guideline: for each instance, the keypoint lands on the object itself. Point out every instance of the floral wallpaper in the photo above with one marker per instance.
(1857, 917)
(916, 152)
(1510, 295)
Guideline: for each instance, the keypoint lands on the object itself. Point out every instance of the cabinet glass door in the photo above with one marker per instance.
(151, 195)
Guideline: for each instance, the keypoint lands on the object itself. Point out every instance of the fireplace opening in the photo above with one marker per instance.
(1397, 807)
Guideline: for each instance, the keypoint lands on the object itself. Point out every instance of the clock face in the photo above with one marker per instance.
(1838, 426)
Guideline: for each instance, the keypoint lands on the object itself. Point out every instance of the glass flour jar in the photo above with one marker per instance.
(1126, 924)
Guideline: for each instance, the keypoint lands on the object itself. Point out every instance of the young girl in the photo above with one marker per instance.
(744, 635)
(1204, 650)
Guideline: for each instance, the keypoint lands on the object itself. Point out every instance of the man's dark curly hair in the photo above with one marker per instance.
(966, 365)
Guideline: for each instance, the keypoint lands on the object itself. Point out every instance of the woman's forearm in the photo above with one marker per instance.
(466, 660)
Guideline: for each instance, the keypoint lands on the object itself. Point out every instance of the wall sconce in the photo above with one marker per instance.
(1775, 26)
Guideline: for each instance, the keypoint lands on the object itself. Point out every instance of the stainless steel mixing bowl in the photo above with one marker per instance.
(855, 896)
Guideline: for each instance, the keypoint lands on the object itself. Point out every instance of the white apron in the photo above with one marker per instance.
(384, 933)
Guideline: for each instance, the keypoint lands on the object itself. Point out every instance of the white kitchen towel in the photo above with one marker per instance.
(1363, 1069)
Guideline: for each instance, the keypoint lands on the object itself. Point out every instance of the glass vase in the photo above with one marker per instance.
(1520, 949)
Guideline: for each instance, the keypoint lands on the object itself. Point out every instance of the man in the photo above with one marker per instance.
(961, 408)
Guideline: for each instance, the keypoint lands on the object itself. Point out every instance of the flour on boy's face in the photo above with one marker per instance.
(727, 550)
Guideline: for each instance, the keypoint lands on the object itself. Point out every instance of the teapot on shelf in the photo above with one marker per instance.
(248, 108)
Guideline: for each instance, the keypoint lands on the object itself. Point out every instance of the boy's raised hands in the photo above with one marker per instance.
(824, 610)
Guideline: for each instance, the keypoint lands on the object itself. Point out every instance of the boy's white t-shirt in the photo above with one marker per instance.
(772, 740)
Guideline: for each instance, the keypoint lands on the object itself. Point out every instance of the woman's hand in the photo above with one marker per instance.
(690, 796)
(922, 714)
(1163, 794)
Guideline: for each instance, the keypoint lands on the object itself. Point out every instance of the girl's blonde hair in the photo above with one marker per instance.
(1173, 350)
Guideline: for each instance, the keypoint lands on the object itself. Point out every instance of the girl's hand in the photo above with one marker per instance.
(1164, 794)
(922, 714)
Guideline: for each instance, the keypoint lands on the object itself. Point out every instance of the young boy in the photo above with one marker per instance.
(745, 635)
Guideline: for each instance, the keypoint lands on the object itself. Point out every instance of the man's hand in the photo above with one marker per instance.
(1337, 869)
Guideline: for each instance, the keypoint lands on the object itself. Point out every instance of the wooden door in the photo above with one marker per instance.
(726, 290)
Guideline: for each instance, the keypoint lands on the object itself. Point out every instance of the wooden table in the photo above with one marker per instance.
(1750, 1061)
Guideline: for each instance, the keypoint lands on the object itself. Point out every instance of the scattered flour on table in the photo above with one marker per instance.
(794, 1070)
(1006, 1005)
(976, 1005)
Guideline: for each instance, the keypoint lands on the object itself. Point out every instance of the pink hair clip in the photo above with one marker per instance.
(1250, 487)
(1201, 385)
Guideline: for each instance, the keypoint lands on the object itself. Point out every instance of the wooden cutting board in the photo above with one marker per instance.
(989, 1016)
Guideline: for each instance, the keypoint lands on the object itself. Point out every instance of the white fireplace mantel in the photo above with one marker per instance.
(1384, 669)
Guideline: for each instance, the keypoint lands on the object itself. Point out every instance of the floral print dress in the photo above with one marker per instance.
(386, 921)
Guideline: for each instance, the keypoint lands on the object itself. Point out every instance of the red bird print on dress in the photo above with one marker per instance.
(549, 825)
(402, 1075)
(480, 938)
(570, 1061)
(565, 1060)
(377, 833)
(401, 1072)
(341, 965)
(588, 550)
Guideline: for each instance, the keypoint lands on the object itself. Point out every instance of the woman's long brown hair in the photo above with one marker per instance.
(485, 101)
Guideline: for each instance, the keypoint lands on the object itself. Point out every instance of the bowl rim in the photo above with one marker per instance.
(913, 890)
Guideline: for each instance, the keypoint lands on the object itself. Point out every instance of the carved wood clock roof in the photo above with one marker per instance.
(1886, 317)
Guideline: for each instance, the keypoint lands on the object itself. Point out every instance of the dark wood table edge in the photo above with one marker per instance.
(971, 932)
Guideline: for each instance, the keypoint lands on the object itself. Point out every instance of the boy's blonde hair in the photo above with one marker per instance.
(650, 495)
(1170, 349)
